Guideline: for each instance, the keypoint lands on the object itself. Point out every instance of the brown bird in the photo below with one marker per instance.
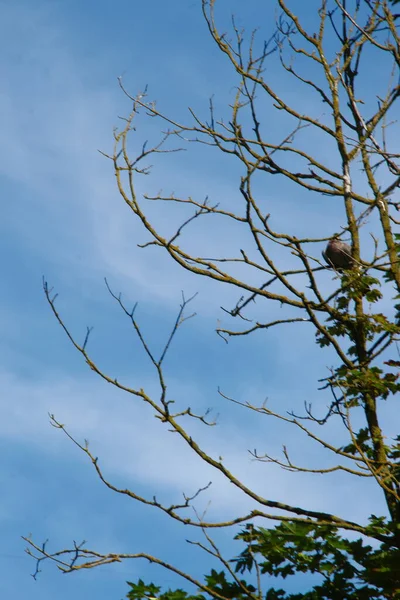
(338, 254)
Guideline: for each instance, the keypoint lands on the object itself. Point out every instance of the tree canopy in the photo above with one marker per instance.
(325, 129)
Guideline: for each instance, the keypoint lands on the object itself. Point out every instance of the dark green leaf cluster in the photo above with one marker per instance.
(344, 569)
(362, 442)
(143, 591)
(362, 381)
(356, 285)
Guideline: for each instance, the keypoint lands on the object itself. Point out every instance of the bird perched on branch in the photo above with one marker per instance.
(338, 254)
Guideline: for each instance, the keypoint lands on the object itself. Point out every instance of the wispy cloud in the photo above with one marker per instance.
(56, 116)
(65, 219)
(134, 449)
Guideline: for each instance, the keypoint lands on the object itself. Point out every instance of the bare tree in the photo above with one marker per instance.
(358, 319)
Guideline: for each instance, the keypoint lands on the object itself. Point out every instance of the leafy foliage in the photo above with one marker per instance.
(142, 591)
(349, 569)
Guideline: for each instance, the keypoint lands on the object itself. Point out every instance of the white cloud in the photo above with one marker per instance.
(136, 451)
(55, 118)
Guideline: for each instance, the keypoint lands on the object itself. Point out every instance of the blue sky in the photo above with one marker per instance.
(63, 219)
